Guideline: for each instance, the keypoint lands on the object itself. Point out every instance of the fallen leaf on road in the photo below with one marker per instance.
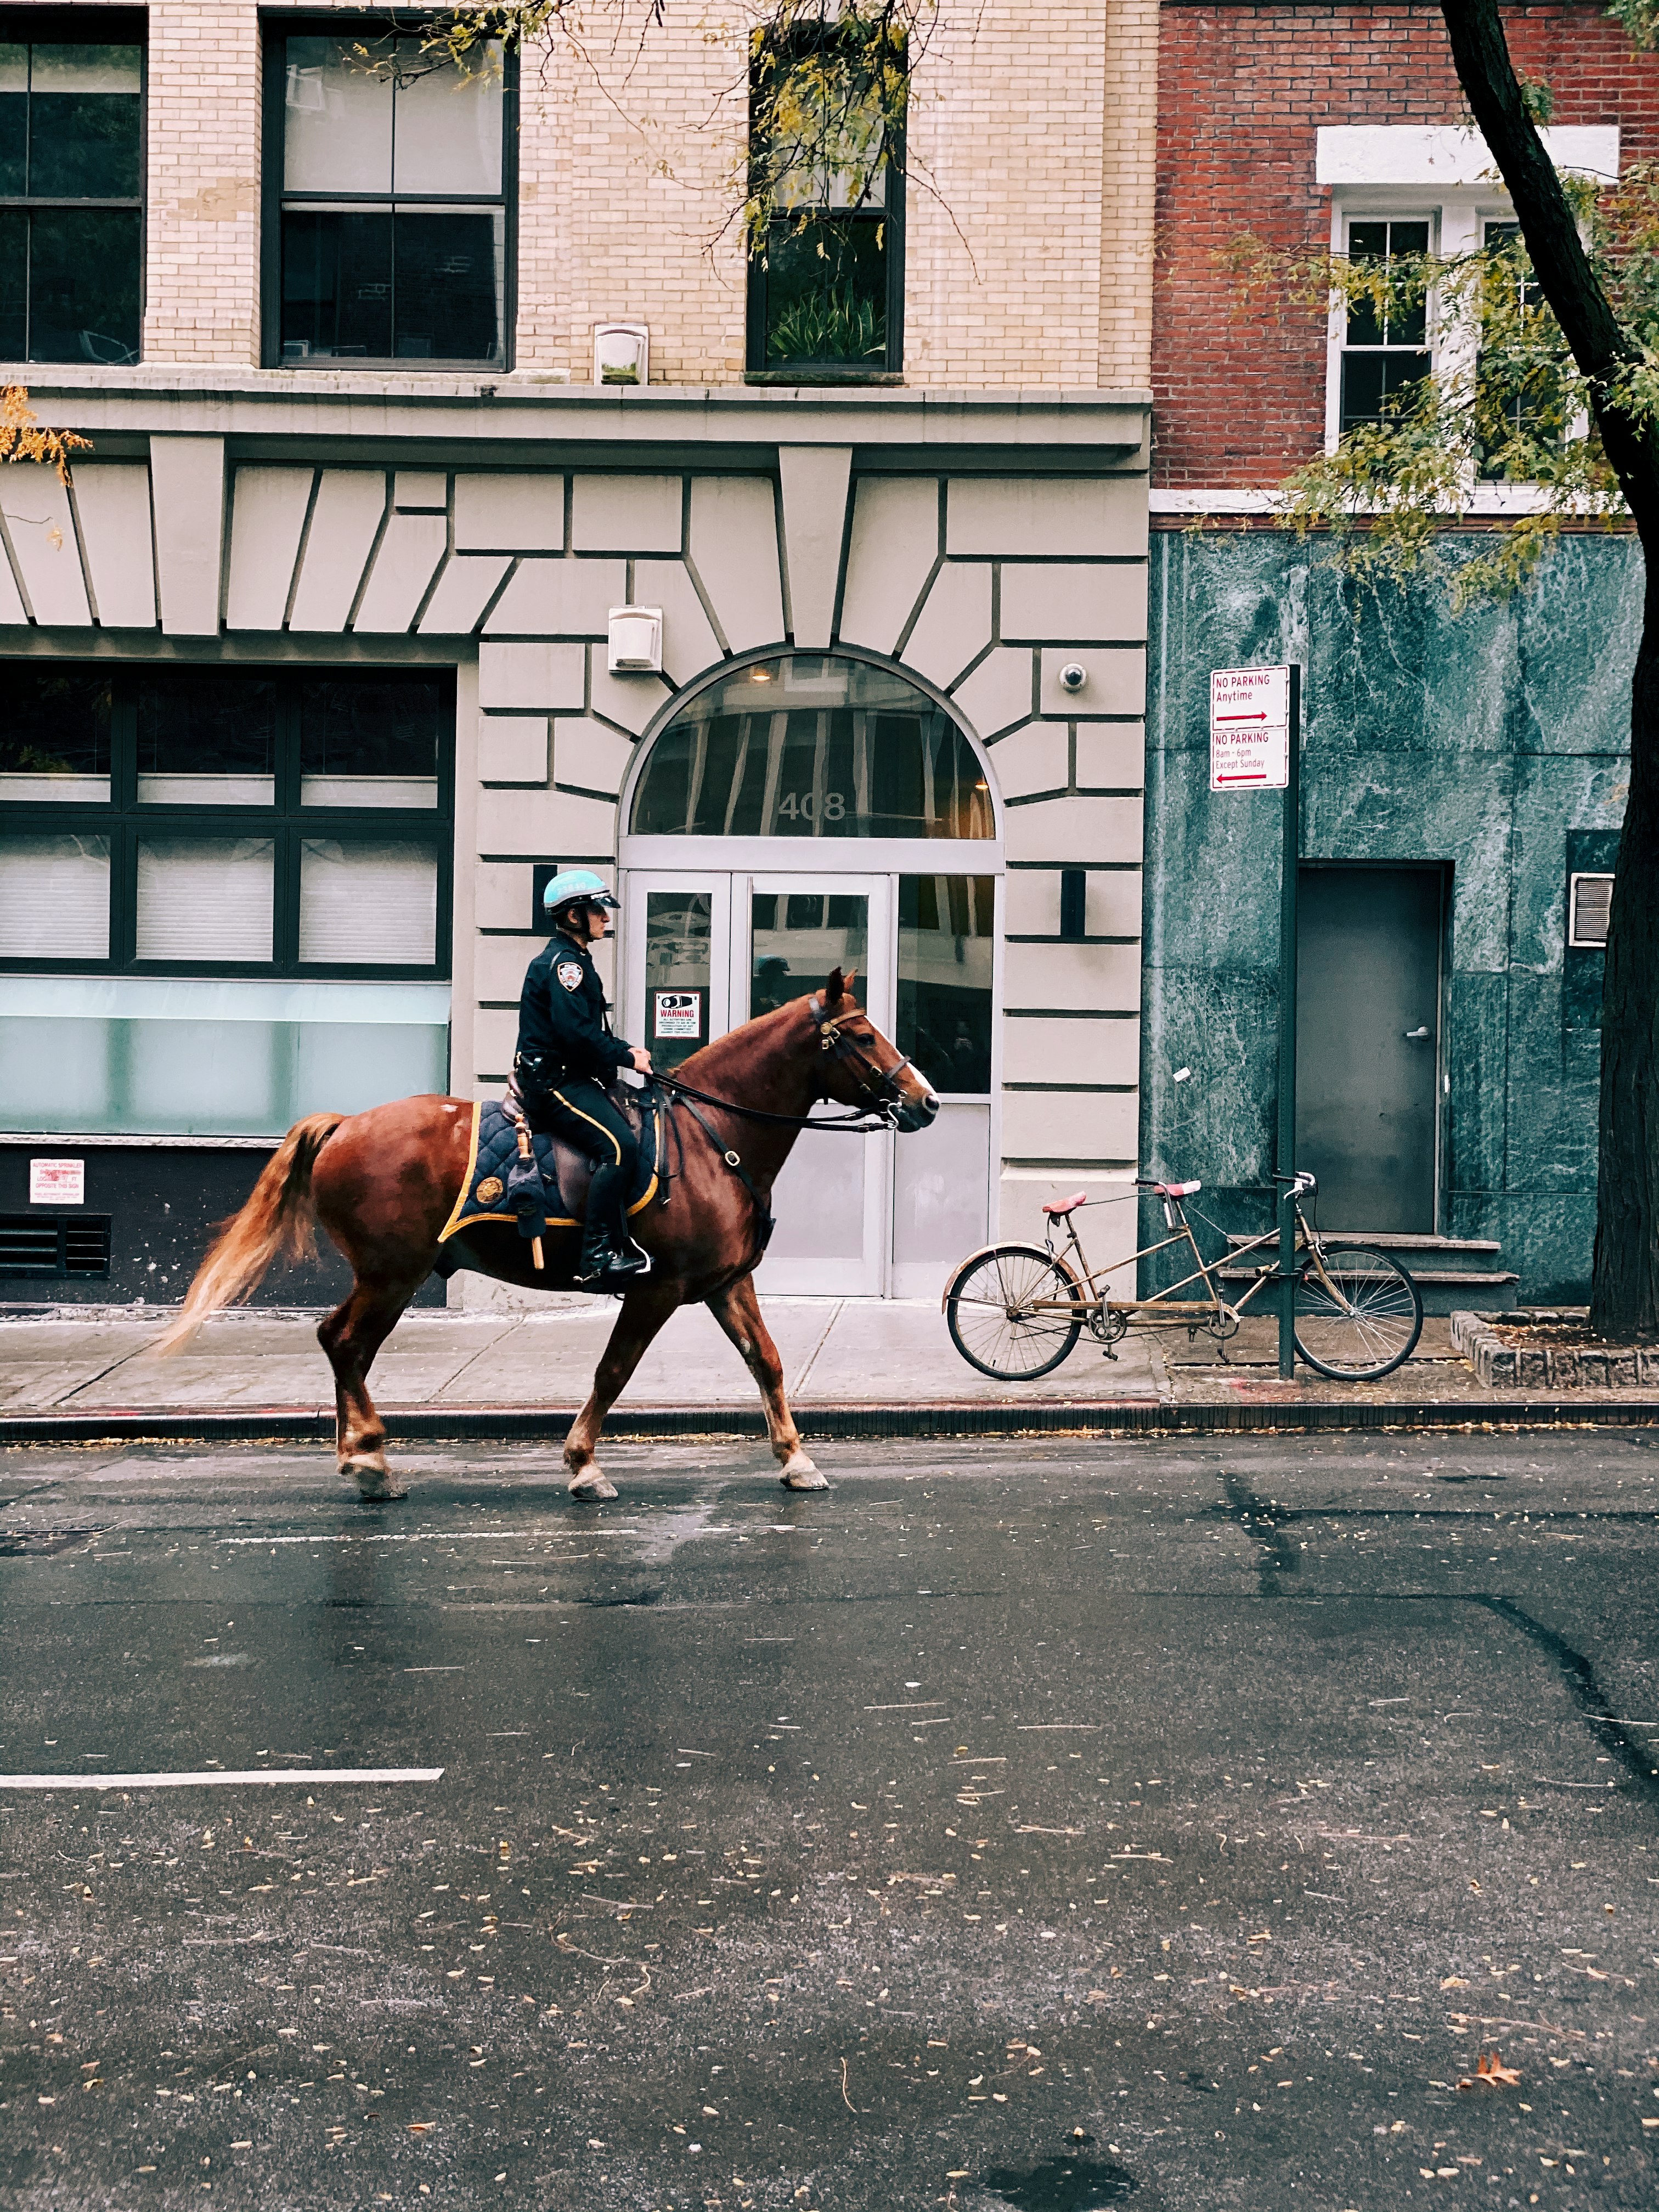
(1491, 2073)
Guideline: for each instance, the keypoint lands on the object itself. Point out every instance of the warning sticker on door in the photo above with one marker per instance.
(677, 1014)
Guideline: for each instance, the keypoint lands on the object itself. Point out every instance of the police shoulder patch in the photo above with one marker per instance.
(570, 973)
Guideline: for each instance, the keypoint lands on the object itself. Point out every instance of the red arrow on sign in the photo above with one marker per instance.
(1240, 718)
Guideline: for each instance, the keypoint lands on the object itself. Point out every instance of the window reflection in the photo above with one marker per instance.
(206, 740)
(944, 979)
(369, 741)
(376, 135)
(679, 949)
(807, 745)
(797, 938)
(54, 734)
(68, 160)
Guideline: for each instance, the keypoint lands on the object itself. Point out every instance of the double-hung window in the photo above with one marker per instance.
(388, 197)
(1385, 350)
(71, 184)
(826, 278)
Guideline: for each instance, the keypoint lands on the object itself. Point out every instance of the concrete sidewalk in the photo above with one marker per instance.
(834, 1350)
(836, 1353)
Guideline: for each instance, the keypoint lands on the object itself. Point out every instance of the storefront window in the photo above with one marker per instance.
(215, 819)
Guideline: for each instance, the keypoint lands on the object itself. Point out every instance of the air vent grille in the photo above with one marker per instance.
(54, 1244)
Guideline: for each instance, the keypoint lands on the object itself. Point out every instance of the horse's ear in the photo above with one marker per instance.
(834, 989)
(848, 982)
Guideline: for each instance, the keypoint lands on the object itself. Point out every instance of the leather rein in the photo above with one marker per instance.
(863, 1122)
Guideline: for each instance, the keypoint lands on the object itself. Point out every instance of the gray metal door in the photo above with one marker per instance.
(1368, 1030)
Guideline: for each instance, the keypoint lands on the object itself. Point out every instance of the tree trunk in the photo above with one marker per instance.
(1625, 1283)
(1625, 1290)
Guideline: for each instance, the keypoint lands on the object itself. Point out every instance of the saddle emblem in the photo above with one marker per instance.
(488, 1190)
(570, 973)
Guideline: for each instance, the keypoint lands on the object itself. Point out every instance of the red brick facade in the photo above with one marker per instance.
(1242, 88)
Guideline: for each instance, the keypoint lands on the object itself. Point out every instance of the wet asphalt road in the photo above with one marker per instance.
(1041, 1824)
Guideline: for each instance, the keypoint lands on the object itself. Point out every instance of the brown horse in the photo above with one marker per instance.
(384, 1185)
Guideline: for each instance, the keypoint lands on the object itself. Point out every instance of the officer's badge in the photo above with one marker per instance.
(488, 1190)
(570, 973)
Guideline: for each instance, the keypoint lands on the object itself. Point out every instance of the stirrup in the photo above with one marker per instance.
(608, 1266)
(625, 1264)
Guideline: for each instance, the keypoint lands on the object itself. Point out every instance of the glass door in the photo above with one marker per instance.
(676, 992)
(832, 1199)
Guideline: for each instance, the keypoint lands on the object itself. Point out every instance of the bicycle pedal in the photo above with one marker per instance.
(1107, 1352)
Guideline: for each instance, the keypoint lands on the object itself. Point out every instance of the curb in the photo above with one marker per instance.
(1498, 1363)
(548, 1425)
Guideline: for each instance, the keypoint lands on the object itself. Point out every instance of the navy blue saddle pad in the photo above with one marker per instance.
(496, 1151)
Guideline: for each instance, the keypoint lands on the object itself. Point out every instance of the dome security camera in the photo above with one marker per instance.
(1073, 676)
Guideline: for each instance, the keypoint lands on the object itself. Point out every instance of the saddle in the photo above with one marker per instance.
(549, 1191)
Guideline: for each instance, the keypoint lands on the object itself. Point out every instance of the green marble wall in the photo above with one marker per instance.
(1485, 740)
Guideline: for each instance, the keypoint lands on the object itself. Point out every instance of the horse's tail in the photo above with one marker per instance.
(277, 1218)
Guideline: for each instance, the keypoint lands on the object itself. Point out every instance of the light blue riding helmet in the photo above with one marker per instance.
(577, 884)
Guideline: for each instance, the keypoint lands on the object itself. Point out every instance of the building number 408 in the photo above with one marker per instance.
(803, 806)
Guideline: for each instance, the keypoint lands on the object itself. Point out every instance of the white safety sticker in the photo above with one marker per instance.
(570, 973)
(679, 1014)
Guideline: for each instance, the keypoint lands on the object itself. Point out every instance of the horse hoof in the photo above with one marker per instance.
(590, 1486)
(376, 1484)
(801, 1474)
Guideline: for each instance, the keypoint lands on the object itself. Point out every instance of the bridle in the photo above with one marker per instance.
(882, 1089)
(881, 1092)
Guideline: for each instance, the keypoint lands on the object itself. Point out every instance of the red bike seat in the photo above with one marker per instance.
(1176, 1189)
(1064, 1206)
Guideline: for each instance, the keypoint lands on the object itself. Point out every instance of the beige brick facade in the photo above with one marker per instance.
(982, 533)
(1028, 226)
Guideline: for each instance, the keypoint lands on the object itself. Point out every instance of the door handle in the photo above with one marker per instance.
(1413, 1036)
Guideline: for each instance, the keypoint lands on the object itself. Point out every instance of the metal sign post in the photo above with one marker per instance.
(1256, 744)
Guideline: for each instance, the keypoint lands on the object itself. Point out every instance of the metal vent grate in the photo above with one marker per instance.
(54, 1244)
(1591, 898)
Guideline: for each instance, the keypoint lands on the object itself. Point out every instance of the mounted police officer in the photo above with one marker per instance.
(568, 1056)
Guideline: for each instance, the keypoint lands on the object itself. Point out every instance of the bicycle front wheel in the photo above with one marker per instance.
(1358, 1313)
(1014, 1312)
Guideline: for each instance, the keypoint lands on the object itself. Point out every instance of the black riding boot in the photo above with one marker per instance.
(609, 1253)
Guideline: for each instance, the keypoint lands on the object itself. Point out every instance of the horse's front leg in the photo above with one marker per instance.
(644, 1310)
(737, 1310)
(351, 1336)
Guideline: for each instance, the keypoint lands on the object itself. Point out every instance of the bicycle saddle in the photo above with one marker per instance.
(1064, 1206)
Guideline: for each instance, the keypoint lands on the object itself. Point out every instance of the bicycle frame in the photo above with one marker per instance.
(1165, 1310)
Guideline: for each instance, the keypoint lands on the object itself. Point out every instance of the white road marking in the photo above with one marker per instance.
(461, 1536)
(219, 1778)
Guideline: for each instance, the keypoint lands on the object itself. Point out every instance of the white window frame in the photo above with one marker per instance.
(1447, 177)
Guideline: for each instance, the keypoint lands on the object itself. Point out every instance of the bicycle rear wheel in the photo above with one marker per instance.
(1361, 1317)
(1014, 1312)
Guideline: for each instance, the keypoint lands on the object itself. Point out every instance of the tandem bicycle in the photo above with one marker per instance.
(1015, 1311)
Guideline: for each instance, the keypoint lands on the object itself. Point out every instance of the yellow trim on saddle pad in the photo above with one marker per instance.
(457, 1220)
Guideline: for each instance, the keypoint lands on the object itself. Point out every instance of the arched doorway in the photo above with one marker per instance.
(798, 812)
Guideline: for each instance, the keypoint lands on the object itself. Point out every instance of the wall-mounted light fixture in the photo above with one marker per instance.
(622, 353)
(635, 641)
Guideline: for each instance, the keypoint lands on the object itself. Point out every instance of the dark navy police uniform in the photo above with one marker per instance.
(567, 1054)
